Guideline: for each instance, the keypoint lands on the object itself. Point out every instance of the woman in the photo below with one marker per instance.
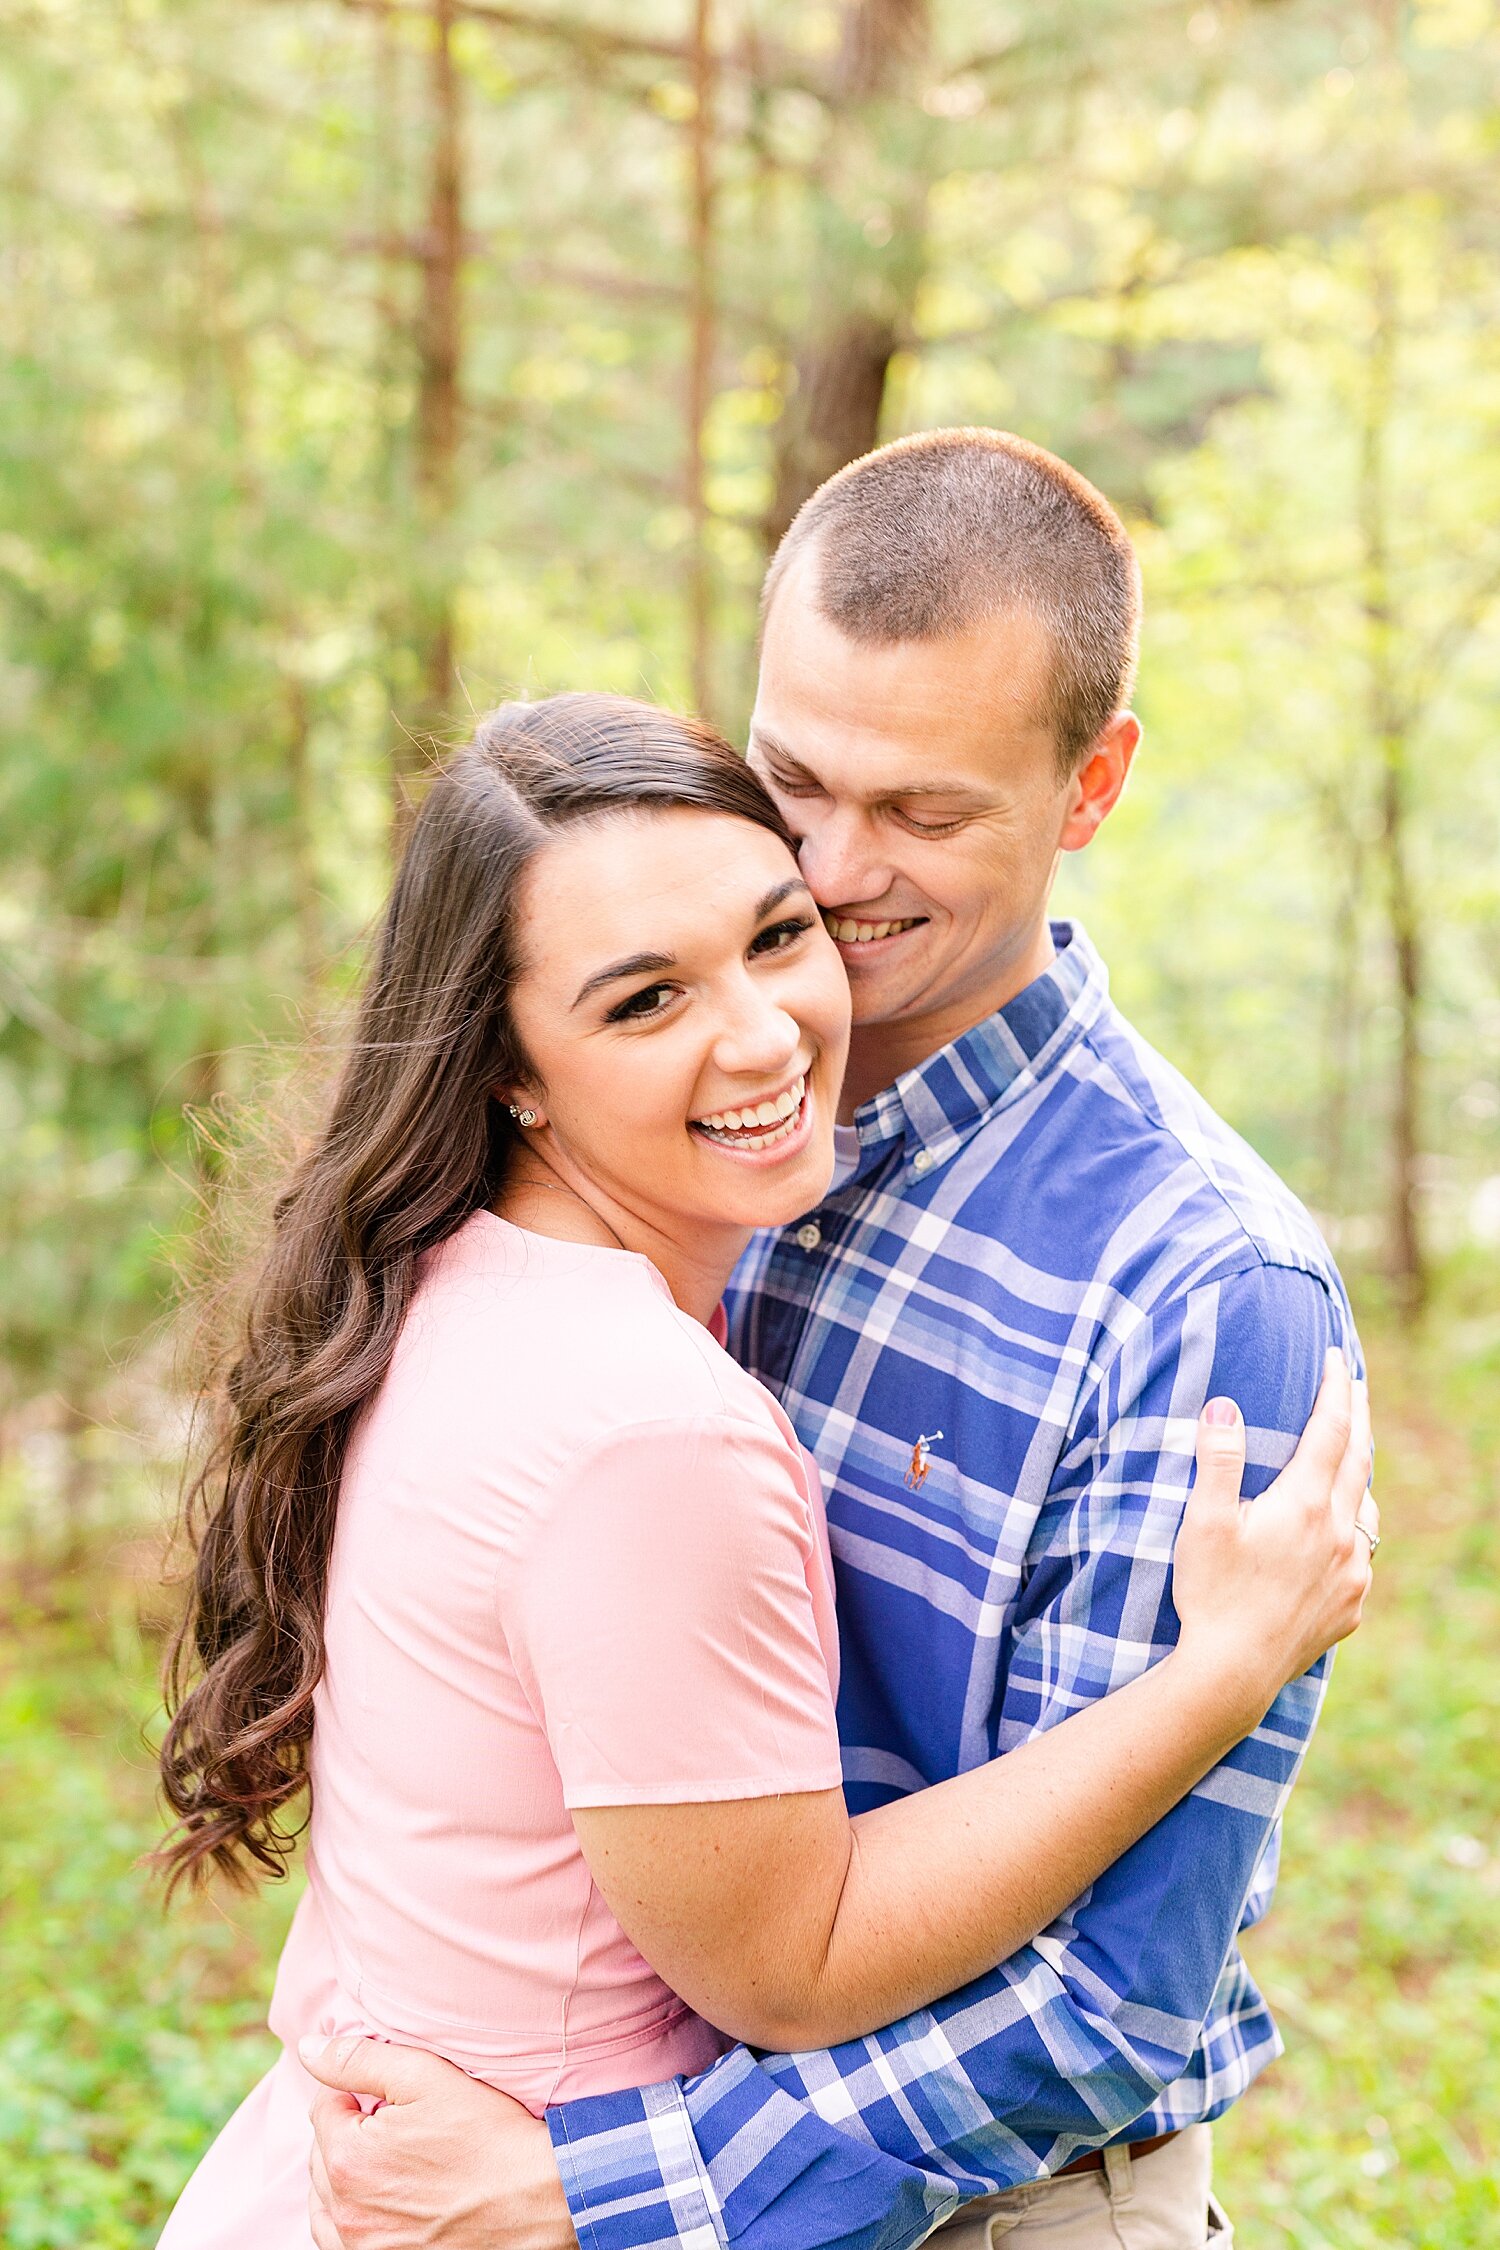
(530, 1580)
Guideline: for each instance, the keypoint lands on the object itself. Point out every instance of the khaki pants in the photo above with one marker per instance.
(1163, 2201)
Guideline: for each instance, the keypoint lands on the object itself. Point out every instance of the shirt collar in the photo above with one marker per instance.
(934, 1107)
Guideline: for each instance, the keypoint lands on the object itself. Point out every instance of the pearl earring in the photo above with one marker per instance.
(523, 1116)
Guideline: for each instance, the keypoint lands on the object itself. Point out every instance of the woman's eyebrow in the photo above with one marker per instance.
(634, 965)
(656, 964)
(774, 896)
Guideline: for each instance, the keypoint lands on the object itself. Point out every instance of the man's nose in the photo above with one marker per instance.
(841, 862)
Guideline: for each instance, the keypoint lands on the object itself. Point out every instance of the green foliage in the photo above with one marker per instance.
(129, 2032)
(240, 563)
(1381, 1960)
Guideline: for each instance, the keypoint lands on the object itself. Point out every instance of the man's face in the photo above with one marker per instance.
(922, 779)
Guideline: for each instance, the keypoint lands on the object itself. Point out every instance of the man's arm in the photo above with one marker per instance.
(1065, 2044)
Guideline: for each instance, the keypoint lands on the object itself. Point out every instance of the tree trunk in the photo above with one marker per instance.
(1389, 725)
(439, 419)
(1408, 1255)
(307, 903)
(77, 1483)
(391, 360)
(1341, 1025)
(387, 216)
(871, 224)
(701, 359)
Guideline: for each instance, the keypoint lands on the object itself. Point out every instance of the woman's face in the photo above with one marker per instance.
(686, 1015)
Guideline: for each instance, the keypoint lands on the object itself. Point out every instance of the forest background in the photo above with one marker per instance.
(365, 361)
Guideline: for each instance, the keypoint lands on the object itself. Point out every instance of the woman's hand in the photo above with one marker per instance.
(1263, 1589)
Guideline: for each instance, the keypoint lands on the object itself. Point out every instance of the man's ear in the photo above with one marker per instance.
(1095, 788)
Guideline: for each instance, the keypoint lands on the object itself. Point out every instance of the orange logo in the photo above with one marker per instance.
(918, 1466)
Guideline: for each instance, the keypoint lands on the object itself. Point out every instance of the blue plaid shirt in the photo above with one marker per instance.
(1052, 1253)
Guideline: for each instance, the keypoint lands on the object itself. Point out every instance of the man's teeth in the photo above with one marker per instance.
(863, 933)
(761, 1125)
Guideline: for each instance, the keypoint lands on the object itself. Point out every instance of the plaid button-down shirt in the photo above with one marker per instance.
(1051, 1253)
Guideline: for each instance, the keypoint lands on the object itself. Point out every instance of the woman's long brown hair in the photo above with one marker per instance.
(414, 1142)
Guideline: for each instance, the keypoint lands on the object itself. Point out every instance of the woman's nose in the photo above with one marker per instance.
(760, 1038)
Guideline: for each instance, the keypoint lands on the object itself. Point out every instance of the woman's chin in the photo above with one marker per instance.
(769, 1185)
(774, 1197)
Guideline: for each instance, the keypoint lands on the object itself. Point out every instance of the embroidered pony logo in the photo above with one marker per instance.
(918, 1466)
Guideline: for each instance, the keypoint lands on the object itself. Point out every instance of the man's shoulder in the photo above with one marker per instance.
(1120, 1164)
(1175, 1135)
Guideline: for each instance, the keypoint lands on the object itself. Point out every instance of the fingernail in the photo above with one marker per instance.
(1222, 1412)
(310, 2046)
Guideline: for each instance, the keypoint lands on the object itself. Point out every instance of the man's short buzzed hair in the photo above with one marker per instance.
(936, 533)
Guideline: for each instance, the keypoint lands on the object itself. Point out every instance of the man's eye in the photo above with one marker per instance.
(802, 786)
(649, 1001)
(781, 934)
(929, 827)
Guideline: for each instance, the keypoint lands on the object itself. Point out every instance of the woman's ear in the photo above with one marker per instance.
(524, 1107)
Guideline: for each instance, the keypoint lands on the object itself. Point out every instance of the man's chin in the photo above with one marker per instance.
(886, 974)
(878, 1003)
(884, 996)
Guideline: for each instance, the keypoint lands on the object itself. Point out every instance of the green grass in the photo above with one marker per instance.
(1381, 1957)
(126, 2034)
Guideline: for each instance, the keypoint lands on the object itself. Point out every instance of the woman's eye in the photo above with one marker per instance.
(648, 1002)
(781, 934)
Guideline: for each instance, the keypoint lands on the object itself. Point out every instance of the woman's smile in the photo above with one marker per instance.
(775, 1125)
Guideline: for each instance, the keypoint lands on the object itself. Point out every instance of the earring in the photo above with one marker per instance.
(522, 1116)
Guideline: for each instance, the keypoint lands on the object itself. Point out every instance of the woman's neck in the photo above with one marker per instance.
(548, 1200)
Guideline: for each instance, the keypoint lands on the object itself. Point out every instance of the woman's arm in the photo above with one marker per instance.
(791, 1926)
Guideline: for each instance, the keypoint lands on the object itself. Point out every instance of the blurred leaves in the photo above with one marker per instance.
(1203, 251)
(128, 2034)
(1380, 1957)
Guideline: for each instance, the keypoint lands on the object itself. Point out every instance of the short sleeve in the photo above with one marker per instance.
(671, 1619)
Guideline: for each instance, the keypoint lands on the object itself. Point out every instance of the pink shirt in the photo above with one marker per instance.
(580, 1560)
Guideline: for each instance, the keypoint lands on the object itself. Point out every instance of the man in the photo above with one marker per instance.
(1041, 1257)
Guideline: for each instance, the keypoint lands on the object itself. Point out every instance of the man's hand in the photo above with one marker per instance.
(447, 2162)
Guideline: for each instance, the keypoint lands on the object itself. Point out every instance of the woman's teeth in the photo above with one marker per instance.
(761, 1125)
(863, 933)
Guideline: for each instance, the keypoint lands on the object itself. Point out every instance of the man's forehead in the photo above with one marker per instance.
(916, 713)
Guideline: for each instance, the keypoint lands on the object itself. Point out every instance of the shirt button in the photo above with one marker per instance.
(923, 1161)
(810, 1236)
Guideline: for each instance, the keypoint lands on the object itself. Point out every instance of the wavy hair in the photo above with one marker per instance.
(414, 1142)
